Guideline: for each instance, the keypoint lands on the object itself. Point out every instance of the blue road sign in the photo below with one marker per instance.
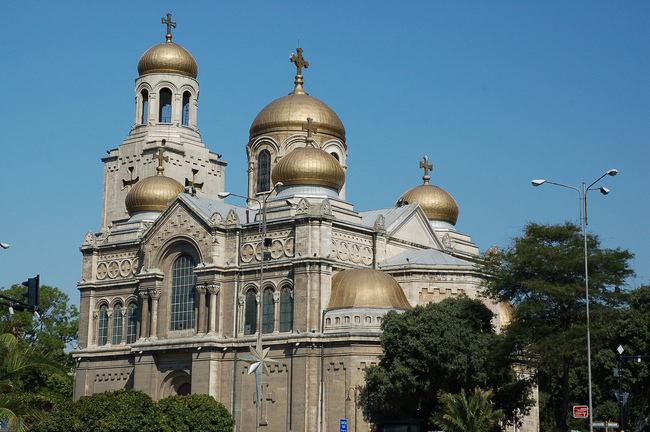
(344, 426)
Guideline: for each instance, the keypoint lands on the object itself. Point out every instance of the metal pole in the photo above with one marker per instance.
(620, 387)
(584, 232)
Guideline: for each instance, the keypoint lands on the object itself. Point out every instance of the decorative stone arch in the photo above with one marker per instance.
(255, 151)
(116, 301)
(177, 382)
(296, 141)
(336, 147)
(261, 143)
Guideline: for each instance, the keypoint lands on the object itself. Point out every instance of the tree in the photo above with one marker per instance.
(17, 361)
(463, 414)
(196, 413)
(446, 346)
(542, 275)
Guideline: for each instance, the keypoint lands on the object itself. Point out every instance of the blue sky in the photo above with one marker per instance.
(495, 93)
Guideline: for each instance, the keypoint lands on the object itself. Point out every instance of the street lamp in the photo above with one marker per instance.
(258, 358)
(582, 194)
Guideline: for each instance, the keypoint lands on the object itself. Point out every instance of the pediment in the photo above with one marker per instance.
(413, 227)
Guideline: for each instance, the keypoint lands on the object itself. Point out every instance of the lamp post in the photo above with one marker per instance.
(258, 358)
(582, 194)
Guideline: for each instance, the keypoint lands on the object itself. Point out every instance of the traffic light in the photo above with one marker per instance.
(32, 292)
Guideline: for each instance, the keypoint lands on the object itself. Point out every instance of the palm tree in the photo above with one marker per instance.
(463, 414)
(17, 359)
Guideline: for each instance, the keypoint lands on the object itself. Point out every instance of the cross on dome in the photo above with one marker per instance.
(170, 24)
(300, 63)
(161, 159)
(427, 166)
(310, 130)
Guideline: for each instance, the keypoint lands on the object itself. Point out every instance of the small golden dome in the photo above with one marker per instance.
(168, 57)
(366, 287)
(153, 193)
(437, 203)
(309, 166)
(288, 113)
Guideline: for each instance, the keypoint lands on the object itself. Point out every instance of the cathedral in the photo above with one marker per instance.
(181, 291)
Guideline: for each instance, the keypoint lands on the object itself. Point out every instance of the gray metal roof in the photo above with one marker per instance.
(391, 214)
(208, 207)
(426, 257)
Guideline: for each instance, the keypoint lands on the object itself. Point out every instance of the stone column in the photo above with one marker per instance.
(109, 330)
(201, 318)
(155, 295)
(213, 289)
(144, 316)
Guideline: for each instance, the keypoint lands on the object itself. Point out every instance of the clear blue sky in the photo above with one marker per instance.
(495, 93)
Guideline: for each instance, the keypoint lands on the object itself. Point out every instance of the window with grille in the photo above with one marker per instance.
(117, 325)
(286, 309)
(102, 326)
(268, 311)
(183, 286)
(264, 171)
(131, 323)
(250, 314)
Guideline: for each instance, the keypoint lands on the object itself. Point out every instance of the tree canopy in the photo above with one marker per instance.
(542, 274)
(442, 347)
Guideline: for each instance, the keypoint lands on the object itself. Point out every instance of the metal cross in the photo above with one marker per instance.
(310, 130)
(170, 24)
(160, 158)
(299, 61)
(427, 166)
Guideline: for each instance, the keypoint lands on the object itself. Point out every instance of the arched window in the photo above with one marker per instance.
(186, 108)
(131, 323)
(165, 108)
(117, 325)
(286, 309)
(268, 311)
(264, 171)
(336, 156)
(183, 285)
(250, 314)
(102, 326)
(144, 115)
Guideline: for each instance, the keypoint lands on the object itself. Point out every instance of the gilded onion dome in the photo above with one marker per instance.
(289, 112)
(437, 203)
(153, 193)
(367, 288)
(168, 57)
(309, 166)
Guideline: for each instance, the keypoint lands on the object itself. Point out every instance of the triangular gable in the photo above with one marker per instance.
(413, 226)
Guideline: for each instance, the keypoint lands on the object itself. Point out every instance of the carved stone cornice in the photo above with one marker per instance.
(213, 288)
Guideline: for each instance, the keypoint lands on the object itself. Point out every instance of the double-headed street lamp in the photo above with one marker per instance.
(259, 356)
(583, 219)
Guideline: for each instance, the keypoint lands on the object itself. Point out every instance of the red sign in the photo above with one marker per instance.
(580, 411)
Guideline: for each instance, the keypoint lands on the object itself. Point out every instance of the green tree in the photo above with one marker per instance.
(542, 275)
(446, 346)
(467, 414)
(17, 361)
(194, 413)
(118, 411)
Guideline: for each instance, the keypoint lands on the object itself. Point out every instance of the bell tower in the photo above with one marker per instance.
(166, 108)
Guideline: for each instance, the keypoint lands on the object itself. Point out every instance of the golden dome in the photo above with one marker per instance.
(288, 113)
(437, 203)
(366, 287)
(309, 166)
(153, 193)
(168, 57)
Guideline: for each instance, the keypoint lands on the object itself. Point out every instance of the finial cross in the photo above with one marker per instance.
(310, 128)
(427, 166)
(161, 159)
(170, 24)
(299, 61)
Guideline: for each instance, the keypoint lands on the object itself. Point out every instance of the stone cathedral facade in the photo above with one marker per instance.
(172, 294)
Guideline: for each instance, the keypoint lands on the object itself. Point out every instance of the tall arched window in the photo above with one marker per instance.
(183, 286)
(144, 115)
(250, 313)
(186, 108)
(102, 326)
(264, 171)
(131, 323)
(165, 108)
(268, 311)
(286, 309)
(117, 325)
